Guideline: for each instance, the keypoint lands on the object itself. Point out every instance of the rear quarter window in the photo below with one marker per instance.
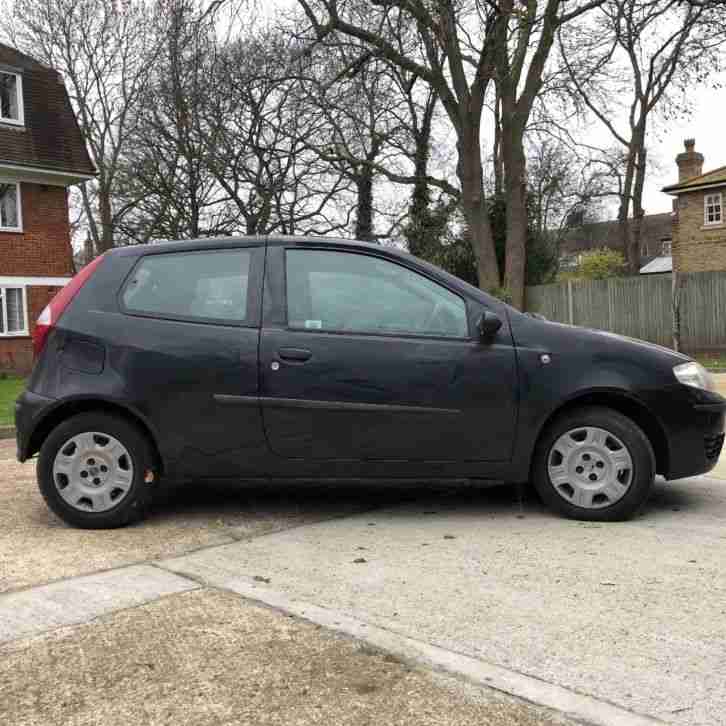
(202, 286)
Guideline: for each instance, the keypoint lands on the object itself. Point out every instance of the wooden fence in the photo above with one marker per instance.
(641, 307)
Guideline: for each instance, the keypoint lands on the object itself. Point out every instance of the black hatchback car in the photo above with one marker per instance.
(311, 358)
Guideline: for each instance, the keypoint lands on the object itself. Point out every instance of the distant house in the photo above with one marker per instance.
(699, 226)
(655, 239)
(41, 153)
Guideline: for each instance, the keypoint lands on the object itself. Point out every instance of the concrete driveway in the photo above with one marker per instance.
(603, 622)
(633, 614)
(36, 547)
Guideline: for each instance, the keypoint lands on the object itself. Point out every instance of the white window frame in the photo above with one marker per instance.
(666, 243)
(19, 228)
(15, 333)
(20, 121)
(706, 205)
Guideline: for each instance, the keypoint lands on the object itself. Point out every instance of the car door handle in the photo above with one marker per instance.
(299, 355)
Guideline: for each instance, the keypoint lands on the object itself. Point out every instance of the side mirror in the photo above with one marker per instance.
(488, 325)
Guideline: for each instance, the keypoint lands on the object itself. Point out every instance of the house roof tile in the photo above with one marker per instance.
(50, 138)
(717, 177)
(655, 227)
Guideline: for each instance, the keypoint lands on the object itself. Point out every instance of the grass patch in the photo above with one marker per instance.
(10, 389)
(713, 362)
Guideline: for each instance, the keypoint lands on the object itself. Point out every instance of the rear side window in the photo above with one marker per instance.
(203, 286)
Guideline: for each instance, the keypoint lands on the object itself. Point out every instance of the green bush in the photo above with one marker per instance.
(601, 264)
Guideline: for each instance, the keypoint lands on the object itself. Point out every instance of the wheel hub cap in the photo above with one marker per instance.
(590, 467)
(93, 472)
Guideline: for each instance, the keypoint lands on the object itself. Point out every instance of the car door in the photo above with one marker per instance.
(187, 345)
(364, 358)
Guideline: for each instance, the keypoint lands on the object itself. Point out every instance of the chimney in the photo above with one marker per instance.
(690, 162)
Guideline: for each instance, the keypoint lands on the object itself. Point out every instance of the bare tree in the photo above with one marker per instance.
(455, 65)
(167, 185)
(458, 49)
(639, 50)
(524, 39)
(104, 51)
(356, 102)
(563, 187)
(260, 122)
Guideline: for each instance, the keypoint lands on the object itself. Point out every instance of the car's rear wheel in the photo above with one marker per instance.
(594, 464)
(93, 470)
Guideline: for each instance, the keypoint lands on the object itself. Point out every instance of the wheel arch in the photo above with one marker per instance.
(628, 406)
(67, 409)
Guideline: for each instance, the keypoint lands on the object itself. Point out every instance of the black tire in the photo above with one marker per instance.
(134, 505)
(629, 433)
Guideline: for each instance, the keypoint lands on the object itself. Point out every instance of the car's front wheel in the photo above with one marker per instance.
(92, 471)
(594, 464)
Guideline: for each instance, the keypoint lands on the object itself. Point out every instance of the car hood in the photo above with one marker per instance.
(643, 344)
(561, 338)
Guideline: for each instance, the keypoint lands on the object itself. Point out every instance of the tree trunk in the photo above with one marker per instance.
(90, 216)
(497, 150)
(364, 216)
(515, 188)
(471, 178)
(638, 213)
(515, 198)
(420, 198)
(624, 208)
(105, 241)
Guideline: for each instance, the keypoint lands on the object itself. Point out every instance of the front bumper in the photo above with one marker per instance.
(29, 410)
(696, 436)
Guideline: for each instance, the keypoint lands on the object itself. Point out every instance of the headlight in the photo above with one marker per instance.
(694, 374)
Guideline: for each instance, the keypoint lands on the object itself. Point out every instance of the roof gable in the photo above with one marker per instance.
(50, 138)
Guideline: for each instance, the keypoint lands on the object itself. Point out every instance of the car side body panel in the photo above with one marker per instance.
(589, 366)
(409, 399)
(172, 374)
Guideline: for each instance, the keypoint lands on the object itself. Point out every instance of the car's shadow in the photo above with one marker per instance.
(687, 496)
(236, 501)
(316, 500)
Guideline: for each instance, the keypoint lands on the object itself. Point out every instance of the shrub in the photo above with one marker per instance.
(601, 264)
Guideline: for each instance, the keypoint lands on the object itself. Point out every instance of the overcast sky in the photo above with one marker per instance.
(707, 125)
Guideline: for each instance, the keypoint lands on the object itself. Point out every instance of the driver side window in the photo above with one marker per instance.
(358, 293)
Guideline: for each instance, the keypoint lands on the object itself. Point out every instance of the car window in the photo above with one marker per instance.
(208, 286)
(345, 291)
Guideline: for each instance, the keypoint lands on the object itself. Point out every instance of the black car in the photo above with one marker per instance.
(309, 358)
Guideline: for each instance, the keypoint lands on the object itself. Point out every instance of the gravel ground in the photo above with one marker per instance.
(209, 658)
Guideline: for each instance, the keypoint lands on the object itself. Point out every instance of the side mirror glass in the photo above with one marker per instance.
(488, 325)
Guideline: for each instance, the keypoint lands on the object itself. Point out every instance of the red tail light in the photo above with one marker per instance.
(52, 312)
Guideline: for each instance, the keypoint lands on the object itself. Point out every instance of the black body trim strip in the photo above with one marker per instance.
(329, 405)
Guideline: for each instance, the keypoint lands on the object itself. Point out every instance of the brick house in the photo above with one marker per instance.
(699, 224)
(41, 154)
(655, 239)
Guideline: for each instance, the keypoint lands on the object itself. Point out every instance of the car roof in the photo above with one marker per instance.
(206, 243)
